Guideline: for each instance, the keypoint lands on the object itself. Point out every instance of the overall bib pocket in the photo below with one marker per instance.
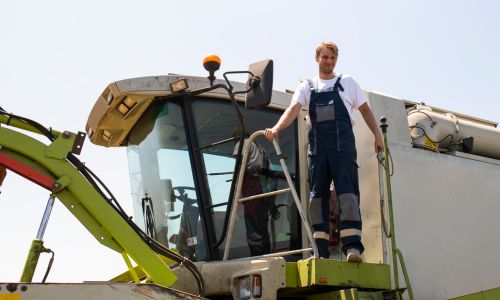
(325, 112)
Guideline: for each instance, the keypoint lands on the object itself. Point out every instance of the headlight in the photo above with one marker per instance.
(126, 105)
(250, 287)
(179, 86)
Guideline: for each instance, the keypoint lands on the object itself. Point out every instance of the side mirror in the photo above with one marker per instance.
(261, 84)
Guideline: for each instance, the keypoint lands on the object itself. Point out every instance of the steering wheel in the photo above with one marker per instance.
(182, 194)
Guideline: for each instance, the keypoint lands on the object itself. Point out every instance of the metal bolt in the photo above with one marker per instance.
(66, 134)
(12, 287)
(24, 288)
(56, 185)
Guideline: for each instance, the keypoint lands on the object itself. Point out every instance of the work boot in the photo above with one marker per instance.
(322, 248)
(353, 255)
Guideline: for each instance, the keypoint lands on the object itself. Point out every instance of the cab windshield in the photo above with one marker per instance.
(182, 159)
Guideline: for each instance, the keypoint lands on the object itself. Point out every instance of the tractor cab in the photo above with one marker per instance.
(184, 144)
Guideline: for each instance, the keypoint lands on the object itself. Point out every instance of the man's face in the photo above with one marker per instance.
(326, 61)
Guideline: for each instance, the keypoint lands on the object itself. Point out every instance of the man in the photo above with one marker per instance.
(331, 100)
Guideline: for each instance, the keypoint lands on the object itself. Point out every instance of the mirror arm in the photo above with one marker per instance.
(238, 72)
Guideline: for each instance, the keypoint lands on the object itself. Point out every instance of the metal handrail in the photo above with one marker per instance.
(264, 195)
(237, 195)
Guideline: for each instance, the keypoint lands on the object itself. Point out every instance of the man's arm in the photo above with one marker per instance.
(369, 118)
(286, 119)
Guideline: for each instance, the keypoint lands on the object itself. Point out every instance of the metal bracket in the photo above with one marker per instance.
(78, 145)
(60, 184)
(65, 143)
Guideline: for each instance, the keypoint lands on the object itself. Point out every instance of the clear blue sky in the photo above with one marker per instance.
(57, 56)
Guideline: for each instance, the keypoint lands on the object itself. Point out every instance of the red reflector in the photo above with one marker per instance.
(257, 286)
(323, 280)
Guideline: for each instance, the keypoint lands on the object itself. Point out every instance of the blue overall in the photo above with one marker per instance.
(332, 156)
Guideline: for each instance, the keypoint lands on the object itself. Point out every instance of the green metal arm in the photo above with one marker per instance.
(82, 200)
(32, 260)
(23, 125)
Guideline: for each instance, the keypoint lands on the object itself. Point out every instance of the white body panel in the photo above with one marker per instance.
(446, 210)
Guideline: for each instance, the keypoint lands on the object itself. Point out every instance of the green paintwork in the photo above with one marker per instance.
(405, 274)
(61, 146)
(31, 261)
(349, 294)
(127, 276)
(131, 269)
(23, 125)
(88, 206)
(63, 182)
(329, 272)
(492, 294)
(292, 279)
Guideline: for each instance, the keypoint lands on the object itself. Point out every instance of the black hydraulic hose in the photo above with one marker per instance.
(159, 248)
(35, 124)
(90, 176)
(49, 266)
(425, 133)
(391, 167)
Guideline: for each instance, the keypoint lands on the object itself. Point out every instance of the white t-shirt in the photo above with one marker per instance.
(352, 96)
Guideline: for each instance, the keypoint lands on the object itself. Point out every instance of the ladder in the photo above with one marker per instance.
(237, 200)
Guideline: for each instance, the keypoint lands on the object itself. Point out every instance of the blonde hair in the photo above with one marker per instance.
(327, 45)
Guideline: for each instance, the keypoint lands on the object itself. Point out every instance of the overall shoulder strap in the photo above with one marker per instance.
(337, 86)
(311, 84)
